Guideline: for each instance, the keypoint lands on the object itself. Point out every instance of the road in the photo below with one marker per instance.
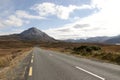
(50, 65)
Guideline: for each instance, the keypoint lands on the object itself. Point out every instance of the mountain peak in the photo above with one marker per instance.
(32, 32)
(35, 34)
(33, 28)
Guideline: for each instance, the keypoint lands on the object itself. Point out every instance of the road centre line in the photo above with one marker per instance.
(32, 56)
(30, 71)
(50, 54)
(31, 60)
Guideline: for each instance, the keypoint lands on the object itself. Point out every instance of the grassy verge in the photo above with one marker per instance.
(11, 54)
(9, 61)
(4, 61)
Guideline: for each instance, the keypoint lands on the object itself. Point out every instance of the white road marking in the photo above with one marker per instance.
(90, 73)
(30, 71)
(32, 57)
(31, 60)
(50, 54)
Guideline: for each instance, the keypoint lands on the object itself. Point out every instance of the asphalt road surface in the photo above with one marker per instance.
(49, 65)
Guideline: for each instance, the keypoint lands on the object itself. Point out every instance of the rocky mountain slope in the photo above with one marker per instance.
(32, 34)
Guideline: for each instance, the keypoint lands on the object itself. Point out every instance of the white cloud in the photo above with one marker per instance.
(67, 31)
(62, 12)
(102, 23)
(12, 20)
(18, 19)
(107, 18)
(24, 14)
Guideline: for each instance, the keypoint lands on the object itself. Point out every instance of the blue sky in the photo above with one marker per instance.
(61, 19)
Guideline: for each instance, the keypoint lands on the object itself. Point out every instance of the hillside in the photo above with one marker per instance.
(32, 34)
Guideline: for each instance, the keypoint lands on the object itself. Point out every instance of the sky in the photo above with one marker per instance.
(61, 19)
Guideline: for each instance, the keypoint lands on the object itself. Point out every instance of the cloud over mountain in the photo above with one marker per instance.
(62, 12)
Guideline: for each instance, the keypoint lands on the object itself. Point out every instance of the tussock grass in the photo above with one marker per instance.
(4, 61)
(108, 56)
(11, 54)
(11, 62)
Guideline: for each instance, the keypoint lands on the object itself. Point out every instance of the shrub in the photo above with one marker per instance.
(86, 48)
(117, 59)
(95, 51)
(96, 48)
(106, 56)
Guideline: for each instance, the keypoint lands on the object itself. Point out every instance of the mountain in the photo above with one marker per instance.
(91, 39)
(114, 40)
(32, 34)
(98, 39)
(103, 39)
(75, 40)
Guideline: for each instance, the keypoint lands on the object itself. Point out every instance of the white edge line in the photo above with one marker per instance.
(90, 73)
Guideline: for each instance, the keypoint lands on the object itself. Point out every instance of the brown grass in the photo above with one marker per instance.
(10, 62)
(11, 54)
(4, 61)
(6, 55)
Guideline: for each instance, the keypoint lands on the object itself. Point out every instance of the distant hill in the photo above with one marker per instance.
(98, 39)
(91, 39)
(114, 40)
(104, 39)
(32, 34)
